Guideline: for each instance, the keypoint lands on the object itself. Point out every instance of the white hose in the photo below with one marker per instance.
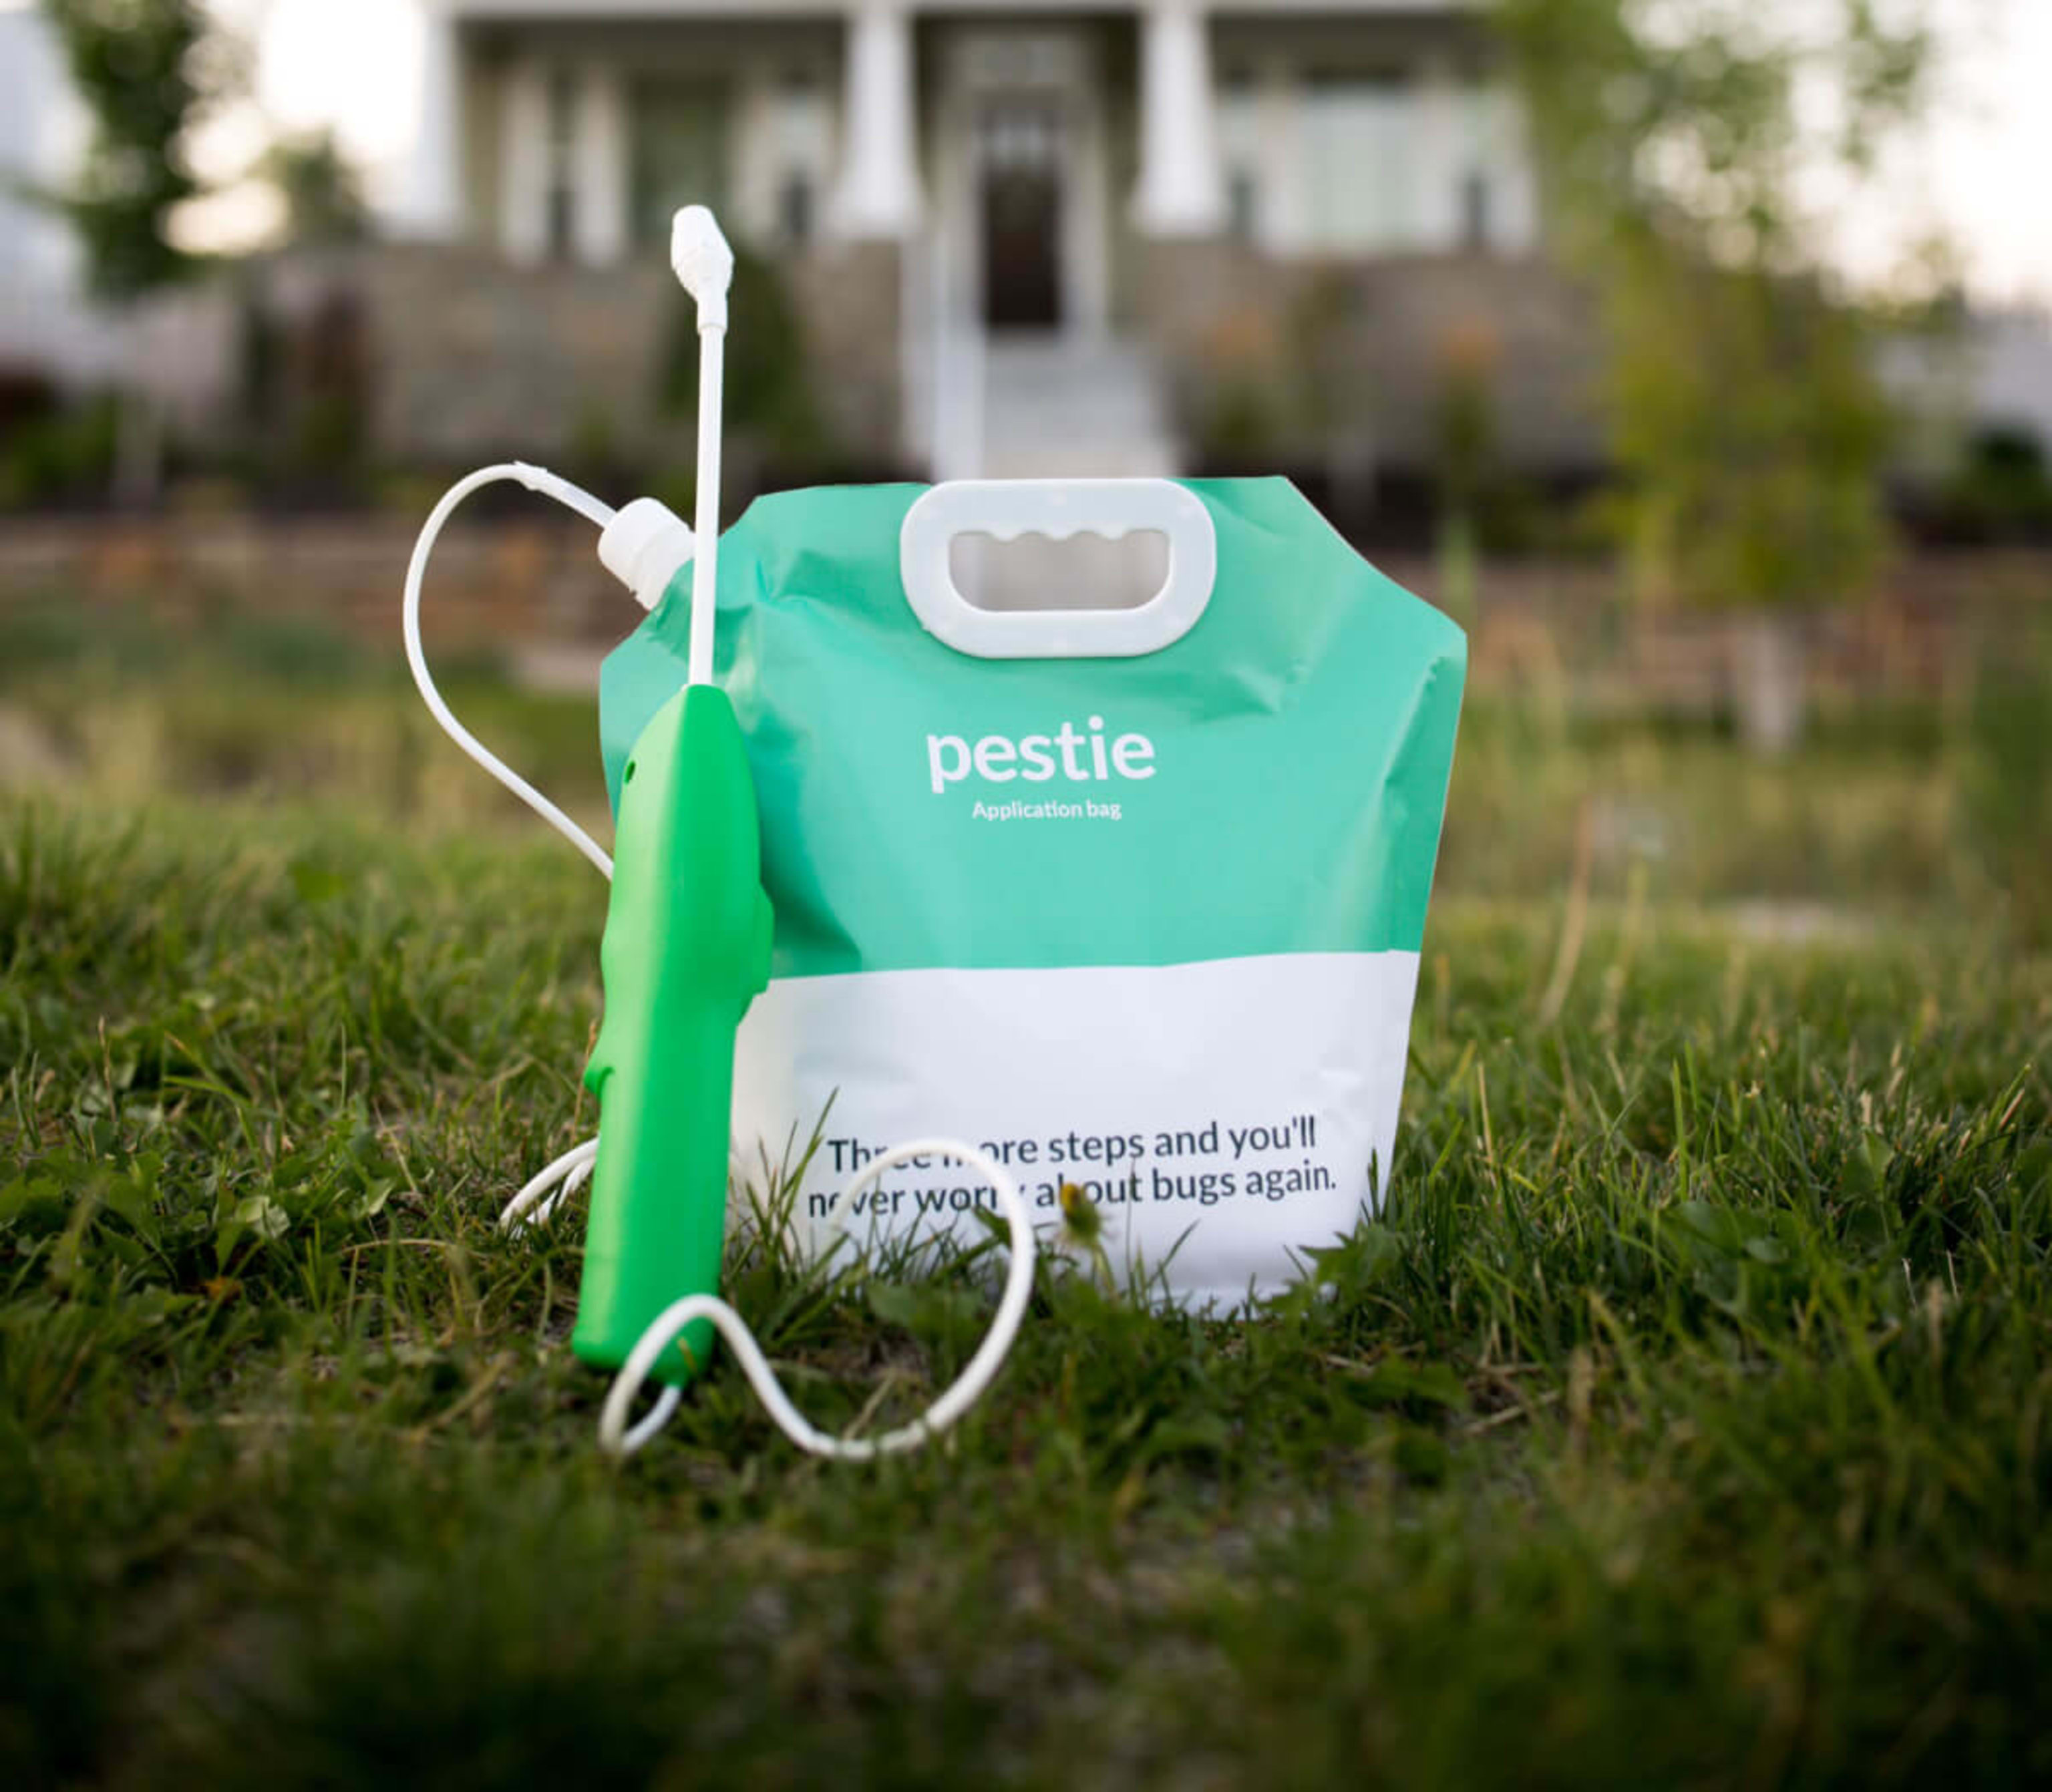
(535, 479)
(962, 1393)
(545, 1190)
(543, 1193)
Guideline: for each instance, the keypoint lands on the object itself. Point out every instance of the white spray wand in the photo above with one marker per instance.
(704, 266)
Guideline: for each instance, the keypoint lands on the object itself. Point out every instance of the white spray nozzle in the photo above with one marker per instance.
(704, 264)
(644, 546)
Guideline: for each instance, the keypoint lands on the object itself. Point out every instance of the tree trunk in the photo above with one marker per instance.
(139, 452)
(1770, 684)
(1460, 573)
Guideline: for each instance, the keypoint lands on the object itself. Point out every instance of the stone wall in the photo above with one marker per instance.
(454, 355)
(1360, 354)
(849, 296)
(465, 356)
(491, 583)
(473, 356)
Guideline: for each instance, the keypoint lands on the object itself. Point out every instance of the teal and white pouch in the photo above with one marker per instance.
(1133, 897)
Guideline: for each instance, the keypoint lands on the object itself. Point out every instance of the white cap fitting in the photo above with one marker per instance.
(644, 546)
(703, 263)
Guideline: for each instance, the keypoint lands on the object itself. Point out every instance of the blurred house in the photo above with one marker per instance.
(48, 333)
(1997, 376)
(1012, 238)
(57, 342)
(1025, 235)
(1009, 237)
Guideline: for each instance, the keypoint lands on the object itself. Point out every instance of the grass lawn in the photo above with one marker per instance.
(1686, 1422)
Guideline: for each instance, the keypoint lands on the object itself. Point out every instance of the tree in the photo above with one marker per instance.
(324, 202)
(139, 66)
(1674, 139)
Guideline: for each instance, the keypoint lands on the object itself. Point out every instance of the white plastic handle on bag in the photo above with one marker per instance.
(1007, 509)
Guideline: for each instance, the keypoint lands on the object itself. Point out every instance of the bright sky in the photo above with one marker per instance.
(1982, 170)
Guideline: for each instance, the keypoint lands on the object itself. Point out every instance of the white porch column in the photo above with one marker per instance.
(1180, 192)
(599, 141)
(431, 199)
(525, 145)
(880, 191)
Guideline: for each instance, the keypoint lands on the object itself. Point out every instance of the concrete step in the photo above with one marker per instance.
(1088, 406)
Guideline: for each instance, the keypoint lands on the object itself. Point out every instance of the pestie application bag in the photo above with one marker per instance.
(1133, 897)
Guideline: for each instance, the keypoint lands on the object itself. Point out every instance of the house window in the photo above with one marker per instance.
(559, 214)
(677, 150)
(1242, 204)
(1240, 152)
(1359, 137)
(1475, 211)
(1491, 211)
(794, 210)
(805, 151)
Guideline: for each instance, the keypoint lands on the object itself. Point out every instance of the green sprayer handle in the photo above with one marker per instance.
(687, 949)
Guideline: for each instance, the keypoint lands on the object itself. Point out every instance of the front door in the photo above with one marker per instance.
(1020, 166)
